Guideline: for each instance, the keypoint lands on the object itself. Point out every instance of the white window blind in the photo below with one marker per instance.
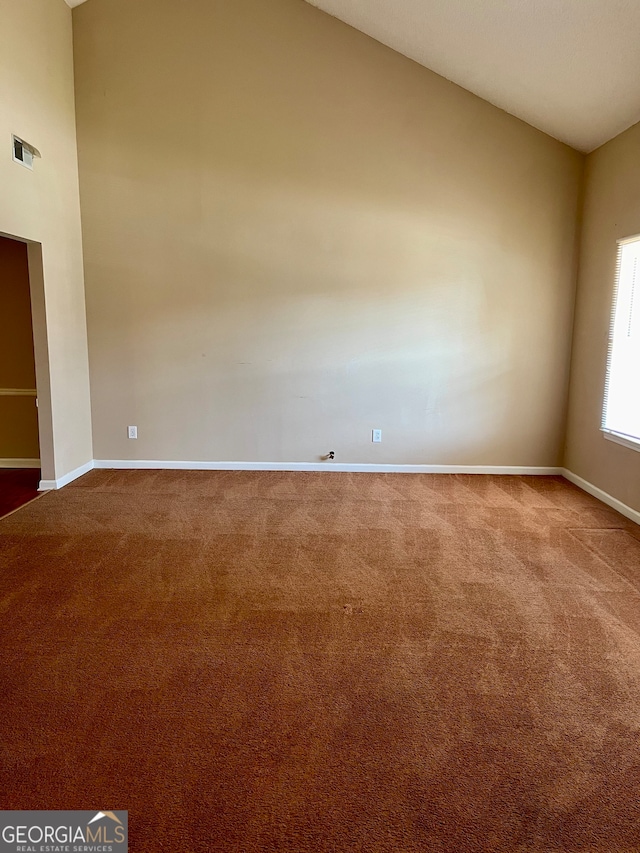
(621, 412)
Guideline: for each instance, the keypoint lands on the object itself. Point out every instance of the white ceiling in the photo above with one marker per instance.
(568, 67)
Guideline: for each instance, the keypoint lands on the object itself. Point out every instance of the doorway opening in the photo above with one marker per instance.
(19, 430)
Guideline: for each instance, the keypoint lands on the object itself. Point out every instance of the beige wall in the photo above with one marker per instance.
(18, 415)
(293, 235)
(611, 211)
(37, 103)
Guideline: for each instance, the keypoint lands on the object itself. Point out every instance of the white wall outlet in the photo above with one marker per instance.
(376, 435)
(132, 431)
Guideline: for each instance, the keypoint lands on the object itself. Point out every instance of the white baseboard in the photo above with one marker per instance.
(150, 464)
(606, 498)
(156, 464)
(19, 463)
(48, 485)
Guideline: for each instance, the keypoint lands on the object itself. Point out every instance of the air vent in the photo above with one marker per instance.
(22, 152)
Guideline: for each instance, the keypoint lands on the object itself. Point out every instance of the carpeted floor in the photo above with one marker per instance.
(325, 662)
(18, 486)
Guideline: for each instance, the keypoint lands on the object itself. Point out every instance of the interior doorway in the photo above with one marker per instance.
(19, 435)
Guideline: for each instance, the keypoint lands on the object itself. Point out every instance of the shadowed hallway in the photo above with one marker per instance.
(18, 486)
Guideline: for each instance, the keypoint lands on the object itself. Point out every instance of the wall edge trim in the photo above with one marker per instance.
(601, 495)
(49, 485)
(19, 462)
(343, 467)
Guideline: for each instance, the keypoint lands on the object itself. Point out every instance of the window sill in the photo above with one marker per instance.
(625, 440)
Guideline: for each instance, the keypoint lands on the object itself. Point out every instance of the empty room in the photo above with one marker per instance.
(319, 426)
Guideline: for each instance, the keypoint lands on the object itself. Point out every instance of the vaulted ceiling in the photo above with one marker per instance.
(569, 67)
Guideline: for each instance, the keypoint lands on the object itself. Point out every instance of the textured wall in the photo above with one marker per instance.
(37, 103)
(293, 234)
(611, 211)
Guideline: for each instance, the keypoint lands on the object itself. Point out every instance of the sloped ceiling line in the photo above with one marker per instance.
(568, 67)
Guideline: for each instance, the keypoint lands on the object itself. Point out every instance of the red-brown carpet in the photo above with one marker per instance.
(18, 486)
(325, 662)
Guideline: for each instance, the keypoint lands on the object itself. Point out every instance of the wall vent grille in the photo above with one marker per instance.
(22, 152)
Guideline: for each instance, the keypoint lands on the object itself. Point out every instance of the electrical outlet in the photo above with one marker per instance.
(376, 435)
(132, 432)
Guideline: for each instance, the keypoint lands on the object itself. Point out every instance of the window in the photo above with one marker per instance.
(621, 413)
